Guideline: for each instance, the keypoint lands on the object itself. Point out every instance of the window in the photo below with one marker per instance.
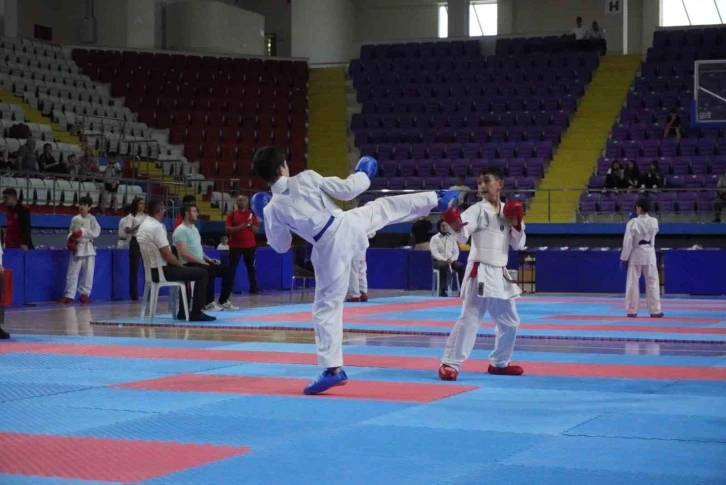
(679, 13)
(482, 18)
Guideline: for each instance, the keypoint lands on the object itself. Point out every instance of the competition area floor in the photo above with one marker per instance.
(94, 394)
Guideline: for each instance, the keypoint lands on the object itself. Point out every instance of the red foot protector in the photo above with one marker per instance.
(103, 459)
(276, 386)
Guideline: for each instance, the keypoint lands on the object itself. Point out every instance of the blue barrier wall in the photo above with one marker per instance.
(40, 275)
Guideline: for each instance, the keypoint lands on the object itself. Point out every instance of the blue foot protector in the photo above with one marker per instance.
(325, 381)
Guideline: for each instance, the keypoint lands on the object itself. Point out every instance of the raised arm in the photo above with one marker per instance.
(347, 189)
(473, 220)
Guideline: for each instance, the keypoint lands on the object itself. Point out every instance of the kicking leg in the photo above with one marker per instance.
(382, 212)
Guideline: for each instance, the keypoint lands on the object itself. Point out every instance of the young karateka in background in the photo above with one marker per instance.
(3, 334)
(358, 286)
(638, 256)
(303, 204)
(493, 228)
(84, 229)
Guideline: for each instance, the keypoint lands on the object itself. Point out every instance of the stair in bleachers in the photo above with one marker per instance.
(327, 133)
(557, 199)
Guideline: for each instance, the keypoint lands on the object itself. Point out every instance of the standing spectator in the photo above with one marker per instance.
(462, 188)
(111, 179)
(47, 164)
(580, 32)
(73, 167)
(597, 37)
(445, 252)
(653, 178)
(138, 218)
(720, 198)
(421, 234)
(126, 222)
(242, 225)
(674, 126)
(188, 244)
(17, 234)
(153, 232)
(25, 159)
(3, 334)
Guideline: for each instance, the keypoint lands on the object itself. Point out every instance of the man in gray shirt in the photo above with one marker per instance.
(26, 159)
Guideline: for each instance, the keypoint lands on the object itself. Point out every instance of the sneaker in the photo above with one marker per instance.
(201, 317)
(325, 381)
(213, 307)
(3, 334)
(65, 300)
(227, 305)
(85, 300)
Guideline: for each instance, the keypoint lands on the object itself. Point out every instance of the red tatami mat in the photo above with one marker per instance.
(354, 311)
(103, 459)
(278, 386)
(607, 318)
(376, 361)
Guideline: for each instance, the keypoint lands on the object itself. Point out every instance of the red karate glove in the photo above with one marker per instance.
(514, 211)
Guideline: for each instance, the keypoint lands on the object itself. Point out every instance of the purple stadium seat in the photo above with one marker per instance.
(596, 182)
(588, 202)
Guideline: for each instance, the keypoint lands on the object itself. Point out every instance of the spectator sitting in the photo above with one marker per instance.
(187, 199)
(462, 188)
(720, 201)
(674, 126)
(25, 160)
(110, 185)
(597, 36)
(72, 164)
(615, 178)
(445, 252)
(632, 175)
(223, 243)
(653, 179)
(420, 234)
(87, 167)
(46, 162)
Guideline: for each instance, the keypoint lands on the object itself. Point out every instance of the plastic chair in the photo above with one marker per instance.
(151, 257)
(453, 276)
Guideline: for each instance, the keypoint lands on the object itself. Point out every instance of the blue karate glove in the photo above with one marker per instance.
(447, 199)
(258, 203)
(367, 165)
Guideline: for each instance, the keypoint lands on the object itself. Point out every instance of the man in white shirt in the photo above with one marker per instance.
(445, 251)
(303, 204)
(462, 188)
(638, 256)
(579, 31)
(153, 232)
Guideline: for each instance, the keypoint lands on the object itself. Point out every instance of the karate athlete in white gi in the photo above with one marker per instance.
(84, 229)
(302, 204)
(493, 228)
(638, 256)
(358, 286)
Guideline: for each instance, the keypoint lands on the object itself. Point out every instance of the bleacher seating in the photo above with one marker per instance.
(696, 162)
(435, 111)
(219, 109)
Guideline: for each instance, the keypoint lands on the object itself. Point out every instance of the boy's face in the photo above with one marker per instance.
(489, 186)
(225, 239)
(84, 209)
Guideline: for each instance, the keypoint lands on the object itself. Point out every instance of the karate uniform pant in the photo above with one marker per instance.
(331, 253)
(652, 288)
(463, 336)
(358, 277)
(82, 266)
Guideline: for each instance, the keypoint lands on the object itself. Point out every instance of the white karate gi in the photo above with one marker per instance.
(491, 235)
(302, 204)
(83, 258)
(639, 252)
(359, 274)
(123, 237)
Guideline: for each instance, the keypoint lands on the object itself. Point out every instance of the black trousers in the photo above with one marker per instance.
(180, 273)
(235, 254)
(223, 271)
(134, 262)
(2, 292)
(444, 271)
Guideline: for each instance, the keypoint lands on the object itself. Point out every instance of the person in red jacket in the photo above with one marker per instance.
(241, 226)
(17, 218)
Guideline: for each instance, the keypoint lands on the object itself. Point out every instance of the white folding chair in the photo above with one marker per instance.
(151, 257)
(453, 277)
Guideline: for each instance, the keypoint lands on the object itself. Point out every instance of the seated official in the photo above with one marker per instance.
(153, 232)
(445, 252)
(188, 243)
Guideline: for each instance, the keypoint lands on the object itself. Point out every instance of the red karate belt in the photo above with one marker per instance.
(474, 270)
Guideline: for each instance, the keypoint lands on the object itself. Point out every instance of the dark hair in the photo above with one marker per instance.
(493, 171)
(438, 226)
(47, 145)
(189, 199)
(267, 162)
(135, 205)
(643, 203)
(187, 208)
(11, 192)
(579, 18)
(85, 200)
(154, 206)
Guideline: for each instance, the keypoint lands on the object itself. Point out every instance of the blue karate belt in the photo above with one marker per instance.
(317, 237)
(643, 242)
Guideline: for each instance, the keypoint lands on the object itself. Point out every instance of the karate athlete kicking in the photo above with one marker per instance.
(493, 227)
(302, 204)
(638, 256)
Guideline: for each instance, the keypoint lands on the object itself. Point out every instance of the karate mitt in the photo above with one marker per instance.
(258, 203)
(367, 165)
(72, 244)
(77, 234)
(514, 209)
